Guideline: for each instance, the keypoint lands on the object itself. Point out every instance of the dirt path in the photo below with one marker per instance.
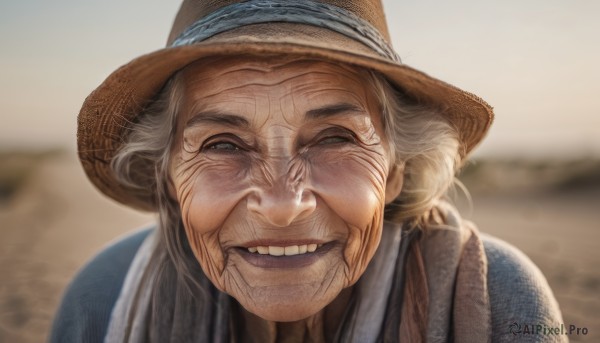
(560, 234)
(49, 229)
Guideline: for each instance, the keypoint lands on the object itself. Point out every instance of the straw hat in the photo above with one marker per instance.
(347, 31)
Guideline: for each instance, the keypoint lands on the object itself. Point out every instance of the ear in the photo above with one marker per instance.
(394, 183)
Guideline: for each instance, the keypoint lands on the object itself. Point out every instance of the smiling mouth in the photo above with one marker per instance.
(292, 256)
(284, 251)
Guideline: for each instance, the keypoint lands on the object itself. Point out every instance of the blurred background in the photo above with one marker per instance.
(535, 181)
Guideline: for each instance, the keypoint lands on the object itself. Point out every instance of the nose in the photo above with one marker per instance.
(281, 204)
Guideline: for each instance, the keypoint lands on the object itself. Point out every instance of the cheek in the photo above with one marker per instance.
(207, 191)
(353, 186)
(208, 186)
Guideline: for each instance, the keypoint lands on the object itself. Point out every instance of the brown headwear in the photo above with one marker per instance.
(347, 31)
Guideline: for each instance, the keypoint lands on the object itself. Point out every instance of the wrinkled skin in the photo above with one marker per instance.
(281, 153)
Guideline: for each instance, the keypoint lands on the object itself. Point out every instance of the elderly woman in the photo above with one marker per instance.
(298, 169)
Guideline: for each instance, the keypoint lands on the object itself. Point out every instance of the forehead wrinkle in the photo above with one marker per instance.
(289, 118)
(260, 66)
(331, 78)
(341, 77)
(276, 79)
(223, 71)
(284, 62)
(272, 79)
(226, 101)
(332, 110)
(208, 105)
(345, 106)
(218, 102)
(269, 66)
(353, 98)
(218, 88)
(219, 118)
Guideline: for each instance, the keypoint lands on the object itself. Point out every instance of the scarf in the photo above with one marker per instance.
(455, 269)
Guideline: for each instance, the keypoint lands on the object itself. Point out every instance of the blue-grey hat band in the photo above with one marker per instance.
(300, 12)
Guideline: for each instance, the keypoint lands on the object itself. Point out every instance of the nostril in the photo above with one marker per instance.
(283, 208)
(308, 202)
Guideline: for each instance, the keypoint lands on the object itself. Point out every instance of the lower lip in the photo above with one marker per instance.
(293, 261)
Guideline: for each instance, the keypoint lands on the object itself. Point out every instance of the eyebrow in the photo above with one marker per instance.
(213, 117)
(332, 110)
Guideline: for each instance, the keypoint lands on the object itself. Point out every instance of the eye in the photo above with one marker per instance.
(227, 146)
(223, 143)
(333, 140)
(334, 136)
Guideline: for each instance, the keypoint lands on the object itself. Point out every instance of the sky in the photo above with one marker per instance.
(535, 61)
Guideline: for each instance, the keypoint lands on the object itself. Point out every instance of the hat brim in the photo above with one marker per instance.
(108, 112)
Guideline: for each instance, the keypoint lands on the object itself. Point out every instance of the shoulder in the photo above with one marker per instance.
(87, 303)
(519, 295)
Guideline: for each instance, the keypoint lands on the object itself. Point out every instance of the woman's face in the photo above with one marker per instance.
(280, 169)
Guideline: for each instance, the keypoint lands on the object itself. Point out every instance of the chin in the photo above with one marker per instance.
(290, 302)
(285, 294)
(286, 312)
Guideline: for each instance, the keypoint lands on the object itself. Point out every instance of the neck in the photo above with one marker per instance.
(320, 327)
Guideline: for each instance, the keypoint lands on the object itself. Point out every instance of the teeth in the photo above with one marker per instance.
(293, 250)
(276, 251)
(287, 251)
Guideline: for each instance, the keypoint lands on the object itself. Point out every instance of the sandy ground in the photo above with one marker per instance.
(56, 221)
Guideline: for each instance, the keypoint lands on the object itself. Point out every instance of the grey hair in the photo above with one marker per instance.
(181, 291)
(422, 143)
